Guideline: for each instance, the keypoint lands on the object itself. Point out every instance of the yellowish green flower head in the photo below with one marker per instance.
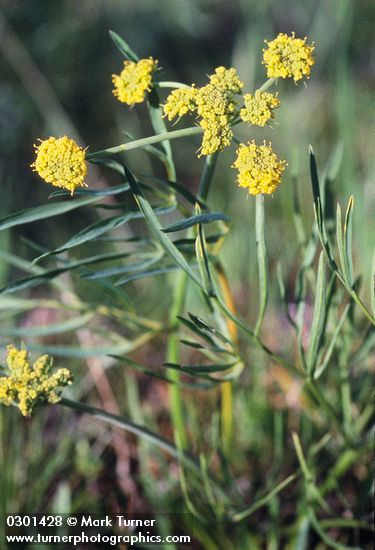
(61, 162)
(287, 56)
(180, 102)
(134, 81)
(27, 386)
(227, 80)
(259, 108)
(216, 108)
(259, 169)
(214, 104)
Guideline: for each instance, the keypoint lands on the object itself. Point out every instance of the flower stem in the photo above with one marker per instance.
(170, 84)
(268, 83)
(167, 136)
(177, 408)
(262, 261)
(226, 422)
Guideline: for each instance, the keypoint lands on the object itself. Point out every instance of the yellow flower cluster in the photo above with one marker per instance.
(259, 108)
(180, 102)
(61, 162)
(134, 81)
(215, 107)
(226, 80)
(26, 386)
(214, 104)
(287, 56)
(259, 168)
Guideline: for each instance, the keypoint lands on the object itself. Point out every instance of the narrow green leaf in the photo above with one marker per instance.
(186, 193)
(95, 230)
(201, 324)
(201, 369)
(114, 190)
(154, 374)
(194, 220)
(327, 357)
(340, 243)
(372, 286)
(123, 47)
(138, 266)
(80, 352)
(156, 229)
(197, 330)
(148, 273)
(202, 258)
(48, 275)
(42, 212)
(136, 429)
(47, 330)
(317, 326)
(348, 231)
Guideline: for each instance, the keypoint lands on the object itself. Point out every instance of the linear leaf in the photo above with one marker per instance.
(156, 229)
(148, 273)
(42, 212)
(200, 323)
(179, 188)
(119, 270)
(319, 371)
(348, 231)
(47, 275)
(115, 190)
(203, 263)
(340, 243)
(80, 352)
(201, 369)
(154, 374)
(136, 429)
(317, 326)
(54, 328)
(123, 47)
(194, 220)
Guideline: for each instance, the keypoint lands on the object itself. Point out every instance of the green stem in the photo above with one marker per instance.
(268, 83)
(208, 170)
(170, 84)
(262, 261)
(262, 501)
(177, 408)
(166, 136)
(346, 401)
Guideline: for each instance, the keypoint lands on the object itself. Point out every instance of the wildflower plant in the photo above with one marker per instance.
(27, 386)
(328, 431)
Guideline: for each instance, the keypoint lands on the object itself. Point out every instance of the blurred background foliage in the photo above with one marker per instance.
(56, 63)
